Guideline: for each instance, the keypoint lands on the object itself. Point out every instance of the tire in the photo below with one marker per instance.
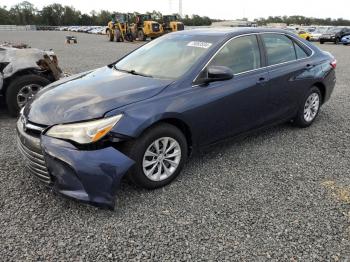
(110, 35)
(136, 149)
(16, 85)
(141, 36)
(301, 119)
(337, 40)
(308, 39)
(321, 42)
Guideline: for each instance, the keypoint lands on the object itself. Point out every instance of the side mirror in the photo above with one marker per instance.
(218, 73)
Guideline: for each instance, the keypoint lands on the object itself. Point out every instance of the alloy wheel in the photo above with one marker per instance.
(26, 93)
(311, 107)
(161, 159)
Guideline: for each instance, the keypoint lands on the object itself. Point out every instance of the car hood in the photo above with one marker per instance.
(90, 95)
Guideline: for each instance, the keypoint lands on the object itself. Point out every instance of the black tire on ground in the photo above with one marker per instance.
(110, 35)
(141, 36)
(337, 40)
(321, 42)
(16, 85)
(136, 148)
(308, 39)
(299, 120)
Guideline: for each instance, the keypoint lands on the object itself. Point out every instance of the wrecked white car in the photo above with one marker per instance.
(23, 72)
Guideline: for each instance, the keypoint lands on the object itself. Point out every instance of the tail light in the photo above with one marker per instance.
(334, 64)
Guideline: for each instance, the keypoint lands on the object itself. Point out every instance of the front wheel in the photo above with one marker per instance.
(337, 40)
(159, 156)
(21, 90)
(309, 108)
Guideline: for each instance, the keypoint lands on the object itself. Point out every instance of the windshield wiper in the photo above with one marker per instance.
(133, 72)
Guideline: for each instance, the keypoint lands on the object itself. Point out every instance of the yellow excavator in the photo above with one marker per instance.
(172, 23)
(119, 28)
(145, 26)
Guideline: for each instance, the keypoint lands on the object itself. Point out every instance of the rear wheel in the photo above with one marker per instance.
(337, 40)
(309, 108)
(321, 42)
(159, 156)
(21, 90)
(141, 36)
(110, 35)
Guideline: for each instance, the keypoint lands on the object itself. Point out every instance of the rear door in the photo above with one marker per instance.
(287, 62)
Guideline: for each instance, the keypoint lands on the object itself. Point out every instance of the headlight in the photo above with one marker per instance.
(85, 132)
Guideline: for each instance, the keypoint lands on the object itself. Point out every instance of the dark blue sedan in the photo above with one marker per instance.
(143, 115)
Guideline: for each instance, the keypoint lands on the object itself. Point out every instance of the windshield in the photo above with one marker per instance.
(168, 57)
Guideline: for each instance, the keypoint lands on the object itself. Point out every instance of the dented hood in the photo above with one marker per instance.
(90, 95)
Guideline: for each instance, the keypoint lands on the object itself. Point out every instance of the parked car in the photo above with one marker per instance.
(345, 40)
(141, 117)
(316, 34)
(23, 72)
(334, 35)
(305, 35)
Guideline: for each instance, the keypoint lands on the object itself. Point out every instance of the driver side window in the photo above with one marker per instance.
(240, 55)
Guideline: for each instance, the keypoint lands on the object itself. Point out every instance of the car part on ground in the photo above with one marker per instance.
(70, 39)
(23, 72)
(169, 112)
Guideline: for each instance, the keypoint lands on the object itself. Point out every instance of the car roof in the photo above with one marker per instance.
(229, 31)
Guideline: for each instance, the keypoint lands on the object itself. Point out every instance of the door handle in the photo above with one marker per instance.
(309, 66)
(262, 80)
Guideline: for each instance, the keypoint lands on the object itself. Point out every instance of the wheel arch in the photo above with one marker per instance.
(26, 71)
(180, 124)
(322, 89)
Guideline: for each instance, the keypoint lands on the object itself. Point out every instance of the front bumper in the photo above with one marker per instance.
(92, 176)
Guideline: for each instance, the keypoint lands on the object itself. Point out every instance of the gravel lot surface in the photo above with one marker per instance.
(281, 194)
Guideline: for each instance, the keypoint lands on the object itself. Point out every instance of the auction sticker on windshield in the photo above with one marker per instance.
(199, 44)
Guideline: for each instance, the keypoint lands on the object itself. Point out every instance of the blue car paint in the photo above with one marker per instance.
(90, 176)
(90, 96)
(345, 40)
(210, 112)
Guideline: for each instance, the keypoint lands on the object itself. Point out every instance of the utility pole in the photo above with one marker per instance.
(180, 8)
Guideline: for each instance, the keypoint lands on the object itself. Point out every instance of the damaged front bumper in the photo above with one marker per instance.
(92, 176)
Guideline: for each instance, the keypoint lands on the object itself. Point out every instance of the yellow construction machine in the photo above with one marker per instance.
(145, 26)
(172, 23)
(119, 28)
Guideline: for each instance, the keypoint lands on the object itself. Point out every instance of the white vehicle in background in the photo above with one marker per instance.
(315, 35)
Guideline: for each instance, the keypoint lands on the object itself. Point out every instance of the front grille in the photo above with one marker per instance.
(29, 146)
(155, 27)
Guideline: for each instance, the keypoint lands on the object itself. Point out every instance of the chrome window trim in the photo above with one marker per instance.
(263, 67)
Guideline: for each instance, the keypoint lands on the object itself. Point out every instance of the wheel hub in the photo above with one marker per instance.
(161, 159)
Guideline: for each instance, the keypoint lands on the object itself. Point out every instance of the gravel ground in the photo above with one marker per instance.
(281, 194)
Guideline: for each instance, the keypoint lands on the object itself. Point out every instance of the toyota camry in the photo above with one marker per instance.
(145, 114)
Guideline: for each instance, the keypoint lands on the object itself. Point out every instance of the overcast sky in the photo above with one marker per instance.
(222, 9)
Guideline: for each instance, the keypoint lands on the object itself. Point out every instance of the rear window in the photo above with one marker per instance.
(281, 49)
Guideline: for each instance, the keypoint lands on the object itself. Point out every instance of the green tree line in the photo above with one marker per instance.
(25, 13)
(302, 20)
